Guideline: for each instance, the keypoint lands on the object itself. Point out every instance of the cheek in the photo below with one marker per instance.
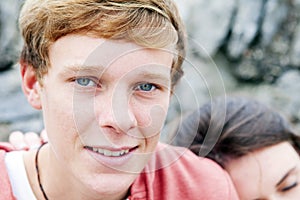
(58, 114)
(151, 118)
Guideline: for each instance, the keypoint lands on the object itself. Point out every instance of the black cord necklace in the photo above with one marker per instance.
(38, 172)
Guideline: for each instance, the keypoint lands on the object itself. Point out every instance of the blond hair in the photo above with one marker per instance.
(42, 22)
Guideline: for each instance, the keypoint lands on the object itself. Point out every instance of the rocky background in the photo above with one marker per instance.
(236, 47)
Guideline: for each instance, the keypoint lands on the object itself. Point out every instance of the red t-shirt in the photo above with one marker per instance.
(172, 173)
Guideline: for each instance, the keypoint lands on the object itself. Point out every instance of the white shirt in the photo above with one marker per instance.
(18, 177)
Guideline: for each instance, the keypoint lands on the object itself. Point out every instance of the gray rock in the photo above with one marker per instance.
(289, 80)
(256, 70)
(247, 70)
(11, 82)
(275, 13)
(34, 124)
(9, 35)
(289, 87)
(295, 51)
(296, 3)
(245, 27)
(208, 25)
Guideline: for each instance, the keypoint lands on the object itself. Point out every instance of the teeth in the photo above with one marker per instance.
(116, 153)
(109, 153)
(100, 151)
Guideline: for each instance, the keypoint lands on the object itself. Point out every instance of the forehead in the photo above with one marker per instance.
(78, 50)
(257, 173)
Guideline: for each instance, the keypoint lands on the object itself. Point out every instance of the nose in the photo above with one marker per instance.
(114, 112)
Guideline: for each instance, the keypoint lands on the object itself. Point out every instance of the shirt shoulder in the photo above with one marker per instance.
(175, 172)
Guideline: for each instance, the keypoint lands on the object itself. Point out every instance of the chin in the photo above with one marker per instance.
(111, 184)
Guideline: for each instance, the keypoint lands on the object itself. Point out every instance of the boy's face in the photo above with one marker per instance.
(104, 103)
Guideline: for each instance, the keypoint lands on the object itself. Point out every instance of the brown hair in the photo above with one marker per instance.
(241, 126)
(149, 23)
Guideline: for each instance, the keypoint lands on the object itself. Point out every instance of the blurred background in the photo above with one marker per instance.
(235, 47)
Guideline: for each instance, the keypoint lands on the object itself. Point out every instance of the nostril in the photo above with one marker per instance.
(111, 129)
(115, 129)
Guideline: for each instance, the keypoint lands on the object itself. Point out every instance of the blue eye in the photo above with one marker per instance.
(85, 82)
(146, 87)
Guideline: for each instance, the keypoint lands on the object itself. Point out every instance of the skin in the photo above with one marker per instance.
(267, 174)
(112, 96)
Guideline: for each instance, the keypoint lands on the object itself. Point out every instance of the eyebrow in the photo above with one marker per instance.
(100, 69)
(78, 68)
(285, 176)
(155, 76)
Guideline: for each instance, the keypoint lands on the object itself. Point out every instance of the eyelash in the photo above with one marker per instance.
(289, 187)
(153, 87)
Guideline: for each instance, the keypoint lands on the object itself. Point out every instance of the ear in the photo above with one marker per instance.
(30, 85)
